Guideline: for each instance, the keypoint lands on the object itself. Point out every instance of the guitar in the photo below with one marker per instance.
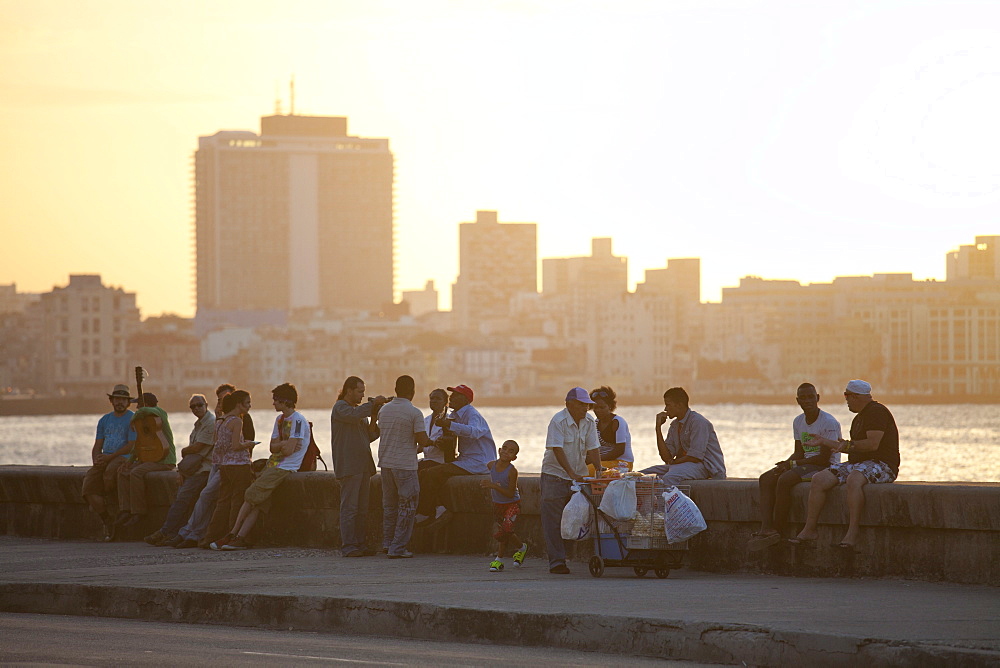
(148, 444)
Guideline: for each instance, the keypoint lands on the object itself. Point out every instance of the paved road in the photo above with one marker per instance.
(692, 615)
(90, 641)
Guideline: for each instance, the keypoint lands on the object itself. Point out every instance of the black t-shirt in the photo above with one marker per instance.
(248, 430)
(876, 417)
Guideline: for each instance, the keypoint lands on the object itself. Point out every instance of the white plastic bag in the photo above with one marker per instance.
(577, 517)
(619, 500)
(681, 517)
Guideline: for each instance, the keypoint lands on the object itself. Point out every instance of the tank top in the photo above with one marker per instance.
(502, 478)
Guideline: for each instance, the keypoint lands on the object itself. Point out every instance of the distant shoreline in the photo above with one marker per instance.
(88, 405)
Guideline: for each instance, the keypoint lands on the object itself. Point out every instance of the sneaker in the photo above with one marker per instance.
(443, 520)
(186, 544)
(155, 539)
(132, 521)
(219, 544)
(238, 543)
(172, 542)
(405, 554)
(561, 569)
(496, 565)
(109, 527)
(355, 553)
(520, 554)
(123, 517)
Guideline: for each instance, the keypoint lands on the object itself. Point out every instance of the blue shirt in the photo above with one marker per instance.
(116, 431)
(476, 448)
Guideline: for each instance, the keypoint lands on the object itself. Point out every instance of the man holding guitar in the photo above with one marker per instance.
(154, 451)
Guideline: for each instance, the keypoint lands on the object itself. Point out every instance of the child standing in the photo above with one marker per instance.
(506, 503)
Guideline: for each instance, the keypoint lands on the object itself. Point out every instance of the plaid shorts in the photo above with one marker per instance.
(873, 470)
(505, 514)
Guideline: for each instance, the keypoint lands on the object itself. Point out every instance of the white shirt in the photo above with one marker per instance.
(294, 426)
(574, 438)
(432, 452)
(825, 425)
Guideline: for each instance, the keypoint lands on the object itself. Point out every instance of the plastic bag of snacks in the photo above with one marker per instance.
(681, 517)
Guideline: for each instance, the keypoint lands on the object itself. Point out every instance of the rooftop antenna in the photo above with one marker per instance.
(291, 88)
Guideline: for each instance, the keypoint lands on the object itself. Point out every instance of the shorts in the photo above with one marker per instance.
(873, 470)
(258, 494)
(505, 514)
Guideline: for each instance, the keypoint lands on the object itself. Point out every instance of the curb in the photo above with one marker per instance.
(680, 640)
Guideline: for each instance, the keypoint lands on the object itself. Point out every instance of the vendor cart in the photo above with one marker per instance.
(638, 543)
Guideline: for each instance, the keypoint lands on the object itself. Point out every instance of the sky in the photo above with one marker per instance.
(776, 139)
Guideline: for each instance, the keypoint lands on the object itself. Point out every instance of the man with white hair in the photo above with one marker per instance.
(872, 457)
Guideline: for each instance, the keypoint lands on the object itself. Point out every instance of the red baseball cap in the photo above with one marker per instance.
(462, 389)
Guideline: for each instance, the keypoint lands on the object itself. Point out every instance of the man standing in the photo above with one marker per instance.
(132, 476)
(808, 458)
(441, 449)
(570, 444)
(476, 449)
(192, 472)
(114, 441)
(872, 457)
(352, 430)
(691, 449)
(401, 433)
(289, 442)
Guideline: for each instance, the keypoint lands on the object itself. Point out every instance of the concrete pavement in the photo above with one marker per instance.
(695, 616)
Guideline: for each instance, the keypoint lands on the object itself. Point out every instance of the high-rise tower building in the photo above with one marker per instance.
(497, 261)
(300, 215)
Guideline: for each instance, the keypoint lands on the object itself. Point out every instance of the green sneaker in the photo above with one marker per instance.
(520, 554)
(496, 565)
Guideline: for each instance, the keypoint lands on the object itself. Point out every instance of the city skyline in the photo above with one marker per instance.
(768, 139)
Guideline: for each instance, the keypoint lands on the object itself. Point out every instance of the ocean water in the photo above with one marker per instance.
(957, 442)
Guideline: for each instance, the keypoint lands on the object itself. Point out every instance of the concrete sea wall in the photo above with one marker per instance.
(928, 531)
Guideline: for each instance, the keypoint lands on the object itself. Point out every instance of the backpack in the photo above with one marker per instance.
(312, 454)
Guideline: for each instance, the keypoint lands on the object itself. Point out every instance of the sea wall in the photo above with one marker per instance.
(929, 531)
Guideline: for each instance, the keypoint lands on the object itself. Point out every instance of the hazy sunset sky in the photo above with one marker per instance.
(786, 140)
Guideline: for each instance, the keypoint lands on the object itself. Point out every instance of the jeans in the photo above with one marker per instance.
(354, 492)
(400, 491)
(197, 524)
(180, 509)
(556, 493)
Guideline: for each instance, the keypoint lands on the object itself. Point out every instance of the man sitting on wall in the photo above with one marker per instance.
(691, 450)
(114, 442)
(872, 457)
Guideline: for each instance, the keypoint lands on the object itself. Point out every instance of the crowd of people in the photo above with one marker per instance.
(222, 491)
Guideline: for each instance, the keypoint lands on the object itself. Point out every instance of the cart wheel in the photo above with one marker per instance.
(662, 572)
(596, 566)
(640, 572)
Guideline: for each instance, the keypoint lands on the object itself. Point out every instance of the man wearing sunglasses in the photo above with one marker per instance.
(872, 457)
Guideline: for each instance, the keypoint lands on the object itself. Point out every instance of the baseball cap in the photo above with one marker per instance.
(462, 389)
(859, 387)
(580, 395)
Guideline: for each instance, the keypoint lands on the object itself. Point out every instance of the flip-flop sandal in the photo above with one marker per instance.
(846, 547)
(805, 543)
(762, 542)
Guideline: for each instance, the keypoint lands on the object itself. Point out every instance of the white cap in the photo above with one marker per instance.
(859, 387)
